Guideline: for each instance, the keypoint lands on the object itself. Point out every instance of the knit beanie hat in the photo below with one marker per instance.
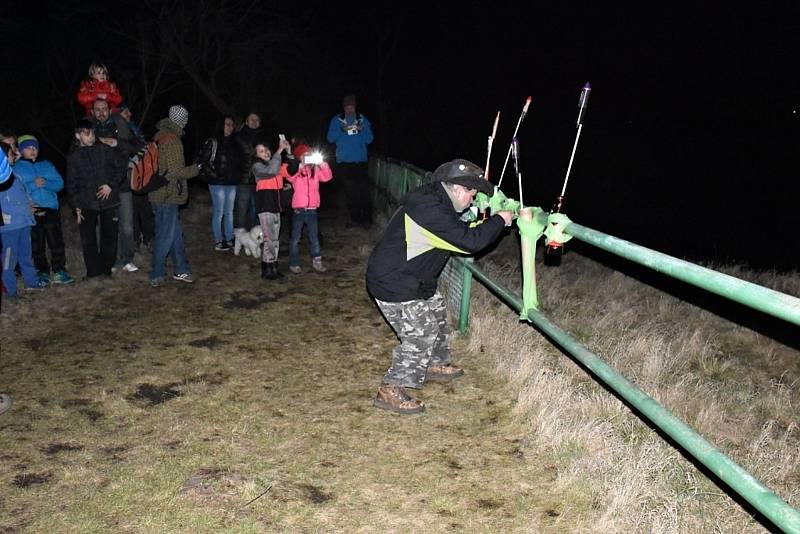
(26, 141)
(179, 115)
(300, 150)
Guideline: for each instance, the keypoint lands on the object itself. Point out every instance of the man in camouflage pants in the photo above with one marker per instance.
(403, 272)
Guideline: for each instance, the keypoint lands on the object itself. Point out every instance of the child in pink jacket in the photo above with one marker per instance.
(305, 202)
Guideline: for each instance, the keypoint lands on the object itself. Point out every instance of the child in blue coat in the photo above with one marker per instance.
(43, 182)
(17, 209)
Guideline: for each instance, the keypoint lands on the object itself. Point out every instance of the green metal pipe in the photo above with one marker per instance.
(466, 291)
(760, 298)
(742, 482)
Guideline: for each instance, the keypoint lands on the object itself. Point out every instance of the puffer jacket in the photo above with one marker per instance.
(306, 184)
(47, 195)
(89, 167)
(91, 89)
(172, 165)
(225, 162)
(15, 205)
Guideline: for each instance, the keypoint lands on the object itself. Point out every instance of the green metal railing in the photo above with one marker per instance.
(742, 482)
(760, 298)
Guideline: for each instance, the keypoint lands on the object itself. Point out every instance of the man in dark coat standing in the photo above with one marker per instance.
(246, 139)
(403, 272)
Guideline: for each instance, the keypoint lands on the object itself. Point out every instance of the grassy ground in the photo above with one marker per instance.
(170, 409)
(733, 380)
(241, 405)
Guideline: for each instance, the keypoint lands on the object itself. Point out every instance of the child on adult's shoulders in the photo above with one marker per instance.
(98, 87)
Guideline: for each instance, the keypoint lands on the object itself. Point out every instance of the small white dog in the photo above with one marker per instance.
(249, 241)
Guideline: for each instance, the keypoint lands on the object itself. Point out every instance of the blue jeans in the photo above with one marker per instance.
(168, 241)
(301, 217)
(222, 198)
(246, 216)
(126, 246)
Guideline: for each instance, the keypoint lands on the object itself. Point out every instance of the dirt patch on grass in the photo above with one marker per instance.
(26, 480)
(56, 448)
(209, 342)
(152, 394)
(314, 494)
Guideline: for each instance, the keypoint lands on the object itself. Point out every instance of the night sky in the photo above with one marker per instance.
(690, 144)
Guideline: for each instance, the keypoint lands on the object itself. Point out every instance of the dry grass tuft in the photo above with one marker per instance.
(732, 384)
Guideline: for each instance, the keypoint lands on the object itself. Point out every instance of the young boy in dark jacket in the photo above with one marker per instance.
(94, 175)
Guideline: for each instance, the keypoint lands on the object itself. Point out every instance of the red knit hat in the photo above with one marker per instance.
(301, 149)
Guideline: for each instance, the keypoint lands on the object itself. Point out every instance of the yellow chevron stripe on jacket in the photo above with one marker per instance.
(419, 240)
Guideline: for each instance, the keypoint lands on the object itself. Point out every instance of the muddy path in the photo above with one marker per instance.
(240, 404)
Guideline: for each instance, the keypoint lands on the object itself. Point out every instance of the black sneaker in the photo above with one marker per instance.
(222, 246)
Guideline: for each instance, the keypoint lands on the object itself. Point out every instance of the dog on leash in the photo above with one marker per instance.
(250, 241)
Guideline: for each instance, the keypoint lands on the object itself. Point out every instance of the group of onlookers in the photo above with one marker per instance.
(249, 183)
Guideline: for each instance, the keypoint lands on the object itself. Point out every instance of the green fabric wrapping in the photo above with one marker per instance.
(530, 231)
(497, 202)
(556, 222)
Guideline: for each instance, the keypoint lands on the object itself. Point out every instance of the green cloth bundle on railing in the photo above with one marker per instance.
(531, 224)
(497, 202)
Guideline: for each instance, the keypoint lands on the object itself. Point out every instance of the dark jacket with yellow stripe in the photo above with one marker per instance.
(421, 235)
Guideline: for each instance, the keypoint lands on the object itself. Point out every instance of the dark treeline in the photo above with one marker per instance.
(689, 143)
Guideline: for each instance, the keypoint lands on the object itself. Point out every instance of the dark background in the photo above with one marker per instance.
(689, 145)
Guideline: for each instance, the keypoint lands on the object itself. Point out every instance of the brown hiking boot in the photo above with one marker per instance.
(395, 399)
(443, 373)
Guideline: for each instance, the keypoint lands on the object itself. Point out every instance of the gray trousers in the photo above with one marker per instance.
(271, 226)
(421, 326)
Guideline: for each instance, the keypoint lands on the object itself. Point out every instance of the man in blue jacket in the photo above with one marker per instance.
(352, 132)
(43, 182)
(403, 272)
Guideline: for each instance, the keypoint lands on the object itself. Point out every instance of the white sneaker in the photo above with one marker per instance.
(316, 263)
(130, 268)
(295, 269)
(184, 277)
(5, 403)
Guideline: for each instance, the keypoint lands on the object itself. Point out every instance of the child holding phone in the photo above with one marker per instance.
(305, 202)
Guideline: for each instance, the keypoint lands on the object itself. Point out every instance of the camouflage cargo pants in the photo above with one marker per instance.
(421, 326)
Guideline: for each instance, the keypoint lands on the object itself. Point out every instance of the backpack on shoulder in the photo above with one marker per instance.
(143, 170)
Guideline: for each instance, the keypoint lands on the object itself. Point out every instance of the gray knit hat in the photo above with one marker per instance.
(179, 115)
